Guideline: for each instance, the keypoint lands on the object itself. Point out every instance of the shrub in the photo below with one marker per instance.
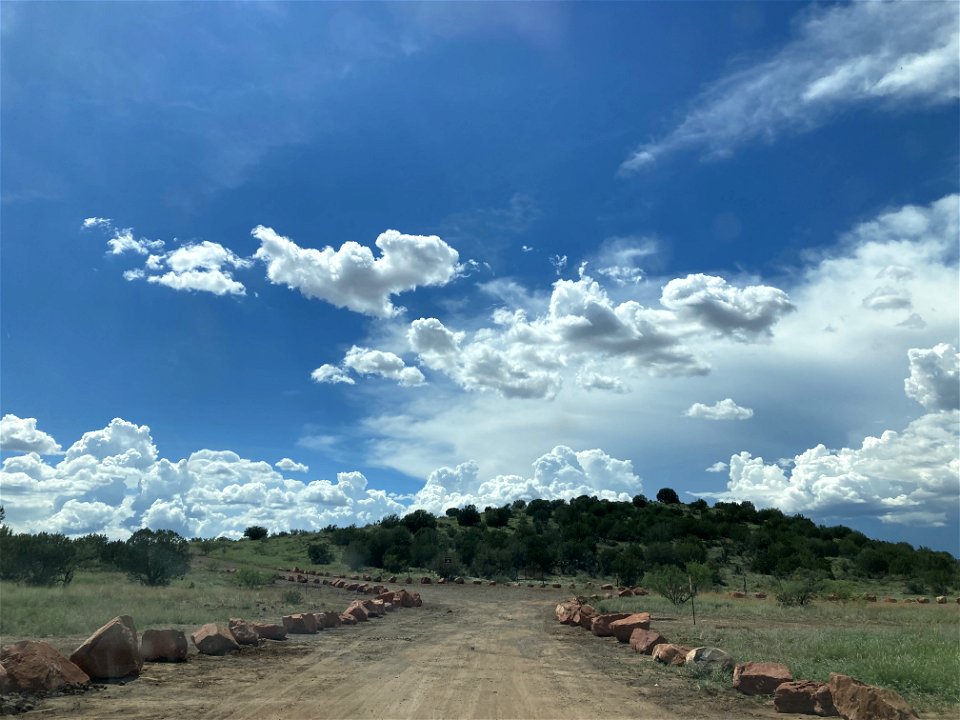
(320, 553)
(251, 578)
(797, 591)
(156, 557)
(255, 532)
(291, 597)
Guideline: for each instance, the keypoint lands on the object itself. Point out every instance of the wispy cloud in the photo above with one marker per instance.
(885, 53)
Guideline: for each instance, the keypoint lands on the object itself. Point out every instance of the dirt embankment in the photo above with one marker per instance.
(469, 652)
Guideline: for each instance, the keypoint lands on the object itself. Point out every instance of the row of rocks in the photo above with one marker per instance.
(843, 696)
(114, 651)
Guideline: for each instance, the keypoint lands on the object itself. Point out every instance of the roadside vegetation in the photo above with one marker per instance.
(913, 649)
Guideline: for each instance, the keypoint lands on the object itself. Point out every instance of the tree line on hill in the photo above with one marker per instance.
(585, 535)
(629, 539)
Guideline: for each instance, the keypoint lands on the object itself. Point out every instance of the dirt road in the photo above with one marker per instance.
(469, 652)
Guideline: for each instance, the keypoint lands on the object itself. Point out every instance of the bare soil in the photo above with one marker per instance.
(469, 652)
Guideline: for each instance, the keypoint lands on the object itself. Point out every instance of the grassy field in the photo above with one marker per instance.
(913, 649)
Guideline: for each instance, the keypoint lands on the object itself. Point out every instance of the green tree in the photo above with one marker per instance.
(676, 585)
(319, 553)
(668, 496)
(41, 559)
(629, 564)
(155, 557)
(469, 516)
(255, 532)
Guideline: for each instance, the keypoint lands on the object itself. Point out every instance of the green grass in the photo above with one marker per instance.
(912, 649)
(95, 597)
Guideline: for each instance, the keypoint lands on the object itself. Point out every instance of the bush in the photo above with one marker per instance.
(156, 557)
(320, 553)
(255, 532)
(797, 591)
(291, 597)
(248, 578)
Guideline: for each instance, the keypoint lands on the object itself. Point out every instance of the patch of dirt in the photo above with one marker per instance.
(469, 652)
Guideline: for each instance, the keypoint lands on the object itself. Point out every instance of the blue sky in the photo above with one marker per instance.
(433, 254)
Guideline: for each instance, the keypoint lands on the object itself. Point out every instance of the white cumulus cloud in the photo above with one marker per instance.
(725, 409)
(352, 277)
(288, 465)
(560, 473)
(934, 380)
(21, 435)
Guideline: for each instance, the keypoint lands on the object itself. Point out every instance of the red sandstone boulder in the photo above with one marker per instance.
(640, 591)
(111, 652)
(458, 580)
(601, 623)
(358, 611)
(760, 595)
(805, 697)
(425, 580)
(606, 586)
(163, 646)
(622, 629)
(670, 654)
(855, 700)
(760, 678)
(386, 597)
(347, 619)
(941, 600)
(644, 641)
(478, 582)
(329, 619)
(392, 578)
(270, 631)
(584, 616)
(243, 632)
(299, 623)
(923, 600)
(417, 601)
(214, 639)
(870, 598)
(627, 592)
(565, 611)
(404, 599)
(737, 594)
(33, 667)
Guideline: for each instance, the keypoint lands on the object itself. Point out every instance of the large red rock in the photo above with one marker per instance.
(855, 700)
(163, 646)
(760, 678)
(805, 697)
(270, 631)
(417, 600)
(601, 623)
(584, 616)
(327, 619)
(404, 599)
(347, 619)
(670, 653)
(214, 639)
(33, 667)
(300, 623)
(113, 651)
(565, 611)
(425, 580)
(644, 641)
(581, 612)
(357, 611)
(243, 632)
(623, 629)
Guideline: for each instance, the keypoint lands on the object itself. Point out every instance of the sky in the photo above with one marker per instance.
(306, 264)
